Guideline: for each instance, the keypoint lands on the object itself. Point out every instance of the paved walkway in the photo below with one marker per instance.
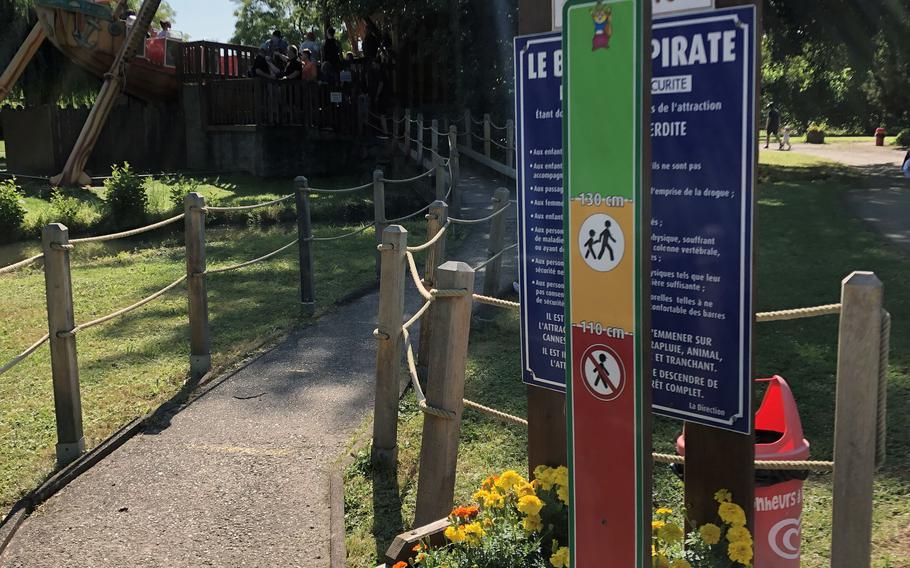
(884, 199)
(240, 476)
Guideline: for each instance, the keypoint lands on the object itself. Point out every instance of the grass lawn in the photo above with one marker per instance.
(132, 364)
(807, 243)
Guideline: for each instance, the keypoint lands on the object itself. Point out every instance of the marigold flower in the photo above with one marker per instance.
(455, 534)
(530, 505)
(525, 488)
(509, 479)
(465, 513)
(657, 525)
(400, 565)
(417, 547)
(723, 496)
(680, 563)
(563, 493)
(660, 561)
(740, 551)
(489, 482)
(473, 533)
(670, 533)
(545, 476)
(710, 533)
(739, 534)
(532, 523)
(561, 476)
(560, 558)
(663, 511)
(732, 514)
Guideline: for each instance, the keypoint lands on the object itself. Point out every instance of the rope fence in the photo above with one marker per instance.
(130, 233)
(432, 241)
(484, 264)
(251, 262)
(24, 355)
(21, 264)
(212, 209)
(493, 215)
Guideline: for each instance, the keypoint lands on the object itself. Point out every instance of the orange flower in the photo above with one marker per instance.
(417, 547)
(400, 565)
(465, 513)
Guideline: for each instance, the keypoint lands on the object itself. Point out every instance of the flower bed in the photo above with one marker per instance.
(516, 522)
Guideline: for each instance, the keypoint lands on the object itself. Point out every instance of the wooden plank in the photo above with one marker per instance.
(445, 391)
(859, 341)
(402, 547)
(64, 364)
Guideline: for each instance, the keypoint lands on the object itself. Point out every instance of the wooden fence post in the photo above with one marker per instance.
(510, 143)
(395, 120)
(304, 235)
(379, 214)
(468, 126)
(445, 391)
(58, 285)
(434, 142)
(855, 420)
(200, 342)
(437, 217)
(454, 155)
(420, 140)
(388, 352)
(440, 181)
(496, 243)
(407, 133)
(487, 136)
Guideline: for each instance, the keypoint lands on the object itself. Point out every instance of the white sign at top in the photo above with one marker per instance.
(557, 14)
(658, 8)
(667, 7)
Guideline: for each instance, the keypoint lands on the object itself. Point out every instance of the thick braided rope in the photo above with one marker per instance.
(251, 262)
(479, 137)
(477, 122)
(507, 418)
(418, 390)
(21, 264)
(496, 302)
(211, 209)
(130, 233)
(798, 313)
(484, 264)
(496, 213)
(124, 311)
(415, 276)
(497, 127)
(406, 217)
(338, 237)
(881, 414)
(503, 146)
(409, 180)
(441, 233)
(24, 355)
(417, 315)
(344, 190)
(775, 465)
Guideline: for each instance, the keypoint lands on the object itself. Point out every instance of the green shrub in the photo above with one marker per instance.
(815, 134)
(12, 209)
(126, 197)
(180, 186)
(903, 137)
(76, 214)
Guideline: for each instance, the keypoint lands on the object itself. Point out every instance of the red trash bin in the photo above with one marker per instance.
(778, 494)
(879, 136)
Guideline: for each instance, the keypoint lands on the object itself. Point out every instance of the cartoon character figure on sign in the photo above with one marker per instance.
(603, 26)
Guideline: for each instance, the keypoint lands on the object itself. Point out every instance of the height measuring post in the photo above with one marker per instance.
(607, 204)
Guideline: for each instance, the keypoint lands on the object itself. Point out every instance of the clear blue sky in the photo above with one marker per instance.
(205, 19)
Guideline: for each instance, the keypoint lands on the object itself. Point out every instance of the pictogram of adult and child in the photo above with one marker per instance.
(601, 242)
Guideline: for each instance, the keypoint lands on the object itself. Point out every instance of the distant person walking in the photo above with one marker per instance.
(773, 126)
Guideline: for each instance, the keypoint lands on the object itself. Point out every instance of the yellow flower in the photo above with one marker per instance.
(657, 525)
(489, 482)
(473, 533)
(680, 563)
(670, 533)
(740, 551)
(508, 480)
(524, 488)
(710, 533)
(530, 505)
(455, 534)
(563, 493)
(659, 561)
(663, 511)
(739, 534)
(560, 558)
(723, 496)
(732, 514)
(545, 476)
(489, 499)
(488, 522)
(532, 523)
(561, 476)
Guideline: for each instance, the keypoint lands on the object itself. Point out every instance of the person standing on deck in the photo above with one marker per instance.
(331, 50)
(312, 45)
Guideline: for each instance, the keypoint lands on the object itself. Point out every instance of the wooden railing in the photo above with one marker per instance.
(281, 103)
(205, 60)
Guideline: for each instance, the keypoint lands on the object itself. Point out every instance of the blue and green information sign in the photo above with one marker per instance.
(606, 218)
(703, 148)
(538, 109)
